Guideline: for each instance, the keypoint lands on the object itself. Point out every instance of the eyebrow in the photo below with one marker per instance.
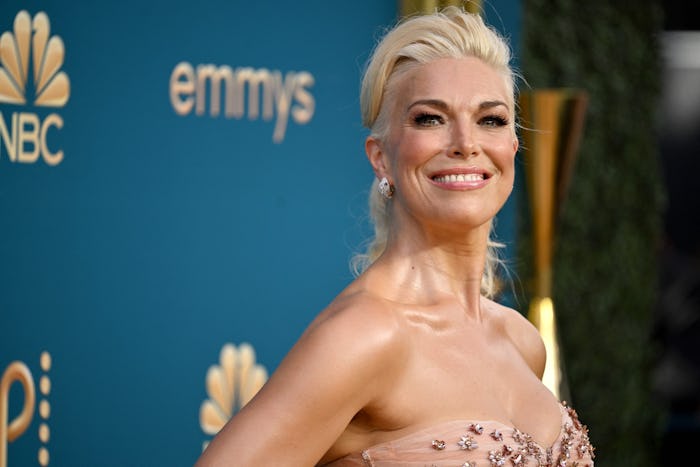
(442, 105)
(491, 104)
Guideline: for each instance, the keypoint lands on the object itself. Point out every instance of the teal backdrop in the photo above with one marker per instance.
(145, 224)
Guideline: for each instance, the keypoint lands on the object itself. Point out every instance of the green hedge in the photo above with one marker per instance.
(605, 271)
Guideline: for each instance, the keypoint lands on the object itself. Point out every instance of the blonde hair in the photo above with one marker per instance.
(416, 40)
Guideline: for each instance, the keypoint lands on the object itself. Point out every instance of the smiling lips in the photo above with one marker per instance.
(470, 179)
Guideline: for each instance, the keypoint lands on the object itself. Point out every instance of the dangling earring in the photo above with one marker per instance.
(385, 188)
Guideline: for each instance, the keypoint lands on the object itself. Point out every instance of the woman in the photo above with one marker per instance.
(413, 364)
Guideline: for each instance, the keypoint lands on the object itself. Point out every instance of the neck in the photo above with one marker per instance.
(431, 265)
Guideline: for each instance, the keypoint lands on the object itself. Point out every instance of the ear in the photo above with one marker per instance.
(377, 157)
(516, 144)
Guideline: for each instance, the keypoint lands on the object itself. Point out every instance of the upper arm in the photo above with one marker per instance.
(537, 354)
(528, 341)
(333, 371)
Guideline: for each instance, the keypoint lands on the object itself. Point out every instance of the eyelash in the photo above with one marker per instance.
(428, 119)
(494, 120)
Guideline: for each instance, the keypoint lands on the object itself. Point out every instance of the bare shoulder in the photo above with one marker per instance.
(349, 352)
(340, 364)
(357, 324)
(360, 310)
(524, 336)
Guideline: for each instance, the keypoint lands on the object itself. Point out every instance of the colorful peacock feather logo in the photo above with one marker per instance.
(230, 385)
(51, 86)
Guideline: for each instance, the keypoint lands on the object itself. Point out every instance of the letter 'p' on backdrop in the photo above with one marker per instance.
(182, 185)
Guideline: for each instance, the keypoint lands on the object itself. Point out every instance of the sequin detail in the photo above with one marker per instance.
(467, 443)
(520, 450)
(366, 458)
(485, 444)
(476, 428)
(438, 445)
(497, 458)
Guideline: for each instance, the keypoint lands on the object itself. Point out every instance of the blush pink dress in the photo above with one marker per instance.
(461, 443)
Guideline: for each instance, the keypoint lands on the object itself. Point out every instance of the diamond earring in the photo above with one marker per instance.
(385, 188)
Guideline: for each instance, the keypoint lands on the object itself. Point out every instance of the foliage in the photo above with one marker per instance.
(605, 271)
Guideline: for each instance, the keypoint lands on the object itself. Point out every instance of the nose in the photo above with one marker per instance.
(463, 141)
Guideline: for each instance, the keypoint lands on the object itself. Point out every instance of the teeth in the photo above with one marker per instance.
(459, 178)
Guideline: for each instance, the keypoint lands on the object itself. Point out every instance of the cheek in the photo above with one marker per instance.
(505, 154)
(414, 148)
(504, 158)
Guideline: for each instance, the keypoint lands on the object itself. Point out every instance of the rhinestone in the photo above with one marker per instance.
(476, 428)
(467, 443)
(496, 458)
(438, 445)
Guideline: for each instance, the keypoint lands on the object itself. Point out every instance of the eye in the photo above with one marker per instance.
(428, 119)
(493, 121)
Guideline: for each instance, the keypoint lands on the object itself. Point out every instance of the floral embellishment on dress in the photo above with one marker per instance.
(476, 428)
(467, 443)
(585, 448)
(519, 436)
(518, 459)
(575, 439)
(438, 445)
(505, 446)
(497, 458)
(572, 448)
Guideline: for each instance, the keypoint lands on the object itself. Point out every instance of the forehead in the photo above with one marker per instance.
(454, 80)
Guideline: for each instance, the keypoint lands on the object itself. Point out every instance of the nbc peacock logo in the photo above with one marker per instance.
(230, 385)
(25, 134)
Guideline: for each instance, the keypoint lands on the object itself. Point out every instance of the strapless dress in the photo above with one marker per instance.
(461, 443)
